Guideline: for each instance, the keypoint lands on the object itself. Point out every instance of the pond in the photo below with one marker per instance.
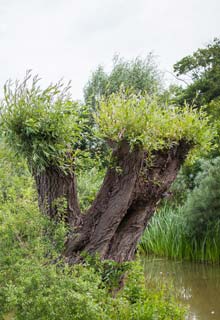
(197, 285)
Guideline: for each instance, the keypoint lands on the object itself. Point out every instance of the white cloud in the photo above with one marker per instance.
(70, 38)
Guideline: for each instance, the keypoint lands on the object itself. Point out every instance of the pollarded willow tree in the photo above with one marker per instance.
(149, 143)
(44, 126)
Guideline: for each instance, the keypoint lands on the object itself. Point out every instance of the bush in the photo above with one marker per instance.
(90, 174)
(189, 177)
(14, 176)
(202, 208)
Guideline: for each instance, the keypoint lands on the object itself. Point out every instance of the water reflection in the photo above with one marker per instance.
(197, 285)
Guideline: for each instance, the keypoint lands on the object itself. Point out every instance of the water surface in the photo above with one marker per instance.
(197, 285)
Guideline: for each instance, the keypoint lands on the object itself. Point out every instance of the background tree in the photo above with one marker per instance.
(201, 74)
(202, 69)
(202, 207)
(140, 75)
(137, 75)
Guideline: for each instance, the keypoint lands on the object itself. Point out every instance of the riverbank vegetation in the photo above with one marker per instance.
(36, 284)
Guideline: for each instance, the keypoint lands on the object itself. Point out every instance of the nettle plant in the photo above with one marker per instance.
(149, 143)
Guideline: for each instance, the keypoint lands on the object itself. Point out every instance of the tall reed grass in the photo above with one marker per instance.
(167, 236)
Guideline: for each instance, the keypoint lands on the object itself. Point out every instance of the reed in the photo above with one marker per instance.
(167, 236)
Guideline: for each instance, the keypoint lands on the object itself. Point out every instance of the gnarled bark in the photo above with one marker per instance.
(126, 201)
(57, 196)
(149, 189)
(110, 204)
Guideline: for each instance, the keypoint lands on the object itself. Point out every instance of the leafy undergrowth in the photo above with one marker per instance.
(33, 286)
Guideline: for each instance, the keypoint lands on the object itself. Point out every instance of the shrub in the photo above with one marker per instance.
(189, 177)
(202, 208)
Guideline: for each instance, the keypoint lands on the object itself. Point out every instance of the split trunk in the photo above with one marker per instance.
(130, 192)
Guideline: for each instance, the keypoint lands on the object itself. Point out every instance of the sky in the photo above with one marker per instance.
(68, 39)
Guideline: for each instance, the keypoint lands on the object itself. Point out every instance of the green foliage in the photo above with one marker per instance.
(146, 301)
(88, 183)
(41, 125)
(111, 272)
(187, 227)
(171, 95)
(32, 288)
(49, 130)
(24, 231)
(203, 206)
(189, 177)
(95, 87)
(203, 70)
(48, 293)
(140, 75)
(144, 123)
(14, 175)
(35, 284)
(213, 109)
(90, 174)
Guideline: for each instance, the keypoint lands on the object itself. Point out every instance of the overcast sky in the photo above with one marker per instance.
(69, 38)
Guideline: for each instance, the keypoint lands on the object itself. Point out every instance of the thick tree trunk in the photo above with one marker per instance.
(110, 205)
(127, 199)
(57, 196)
(149, 190)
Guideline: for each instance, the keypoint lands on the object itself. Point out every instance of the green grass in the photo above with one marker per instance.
(166, 236)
